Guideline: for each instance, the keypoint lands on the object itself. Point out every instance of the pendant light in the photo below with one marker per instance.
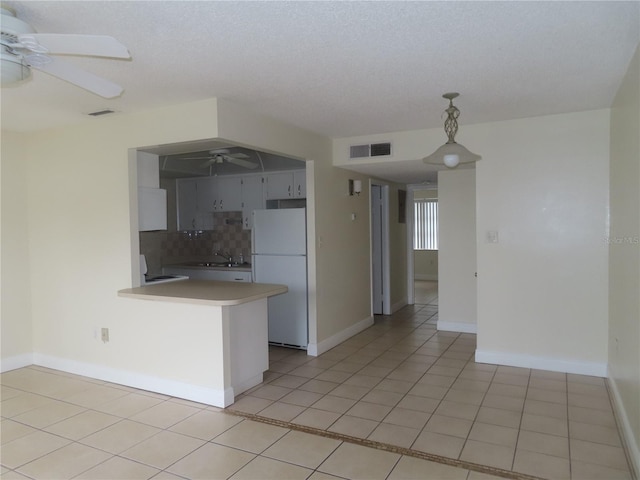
(451, 154)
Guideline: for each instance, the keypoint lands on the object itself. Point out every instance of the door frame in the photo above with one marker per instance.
(410, 207)
(385, 252)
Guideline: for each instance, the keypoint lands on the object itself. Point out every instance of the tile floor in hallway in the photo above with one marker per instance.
(401, 382)
(379, 406)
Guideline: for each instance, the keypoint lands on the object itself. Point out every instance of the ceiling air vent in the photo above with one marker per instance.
(101, 112)
(359, 151)
(380, 149)
(370, 150)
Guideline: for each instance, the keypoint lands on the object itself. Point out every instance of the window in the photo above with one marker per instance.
(425, 231)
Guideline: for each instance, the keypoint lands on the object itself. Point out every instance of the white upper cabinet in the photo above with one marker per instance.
(300, 183)
(148, 170)
(283, 185)
(219, 194)
(187, 204)
(152, 201)
(152, 209)
(199, 198)
(252, 198)
(207, 188)
(229, 194)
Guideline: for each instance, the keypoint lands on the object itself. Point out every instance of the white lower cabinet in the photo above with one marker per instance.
(230, 275)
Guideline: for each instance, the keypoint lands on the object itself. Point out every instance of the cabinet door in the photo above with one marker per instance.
(252, 199)
(186, 192)
(206, 196)
(279, 186)
(152, 209)
(229, 194)
(300, 184)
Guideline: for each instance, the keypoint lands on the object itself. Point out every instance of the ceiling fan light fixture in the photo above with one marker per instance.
(451, 154)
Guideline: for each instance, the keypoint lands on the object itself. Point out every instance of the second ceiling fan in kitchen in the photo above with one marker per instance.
(222, 155)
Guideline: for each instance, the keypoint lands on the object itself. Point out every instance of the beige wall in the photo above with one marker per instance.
(425, 264)
(78, 245)
(15, 314)
(624, 256)
(542, 185)
(457, 243)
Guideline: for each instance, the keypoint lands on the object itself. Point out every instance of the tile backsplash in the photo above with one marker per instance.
(170, 247)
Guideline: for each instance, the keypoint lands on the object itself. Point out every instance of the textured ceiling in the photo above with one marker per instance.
(339, 68)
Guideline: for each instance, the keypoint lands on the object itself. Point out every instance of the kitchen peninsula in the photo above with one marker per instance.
(237, 327)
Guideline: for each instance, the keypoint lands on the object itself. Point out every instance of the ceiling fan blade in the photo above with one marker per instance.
(72, 44)
(241, 163)
(208, 163)
(81, 78)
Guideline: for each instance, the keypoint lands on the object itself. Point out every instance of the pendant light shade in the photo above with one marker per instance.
(451, 154)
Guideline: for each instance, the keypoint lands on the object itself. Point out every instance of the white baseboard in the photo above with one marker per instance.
(210, 396)
(432, 277)
(327, 344)
(398, 305)
(542, 363)
(625, 425)
(247, 384)
(462, 327)
(17, 361)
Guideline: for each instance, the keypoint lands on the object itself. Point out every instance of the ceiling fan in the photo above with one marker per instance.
(24, 49)
(222, 155)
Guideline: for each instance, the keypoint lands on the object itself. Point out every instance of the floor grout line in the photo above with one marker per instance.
(387, 447)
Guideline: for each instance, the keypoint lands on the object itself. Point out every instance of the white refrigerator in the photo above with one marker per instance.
(279, 255)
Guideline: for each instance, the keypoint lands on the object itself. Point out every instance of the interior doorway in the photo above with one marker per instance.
(422, 252)
(380, 263)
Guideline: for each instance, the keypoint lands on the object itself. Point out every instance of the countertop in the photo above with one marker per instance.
(205, 292)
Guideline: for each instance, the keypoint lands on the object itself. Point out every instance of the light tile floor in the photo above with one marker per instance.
(400, 383)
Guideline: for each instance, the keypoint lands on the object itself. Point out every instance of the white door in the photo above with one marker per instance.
(376, 249)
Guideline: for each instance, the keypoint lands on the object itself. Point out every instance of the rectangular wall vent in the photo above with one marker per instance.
(359, 151)
(370, 150)
(380, 149)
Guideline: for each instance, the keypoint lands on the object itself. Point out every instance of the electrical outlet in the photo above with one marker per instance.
(105, 335)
